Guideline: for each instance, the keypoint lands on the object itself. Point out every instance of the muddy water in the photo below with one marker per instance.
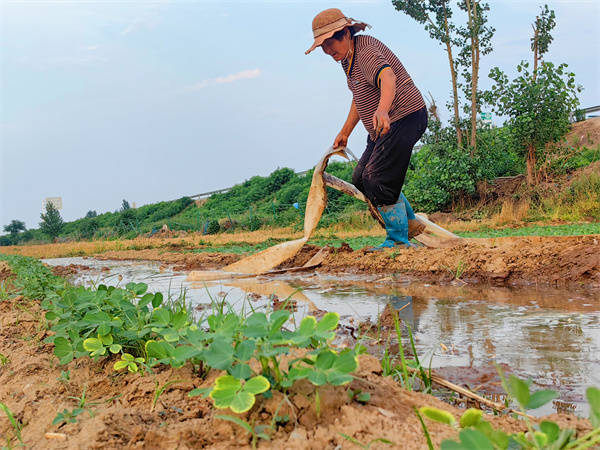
(549, 335)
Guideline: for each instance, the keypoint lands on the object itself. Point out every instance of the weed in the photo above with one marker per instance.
(65, 376)
(365, 446)
(16, 425)
(159, 391)
(3, 359)
(82, 402)
(358, 396)
(67, 416)
(257, 432)
(425, 430)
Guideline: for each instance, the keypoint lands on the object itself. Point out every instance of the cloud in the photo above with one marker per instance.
(244, 75)
(134, 25)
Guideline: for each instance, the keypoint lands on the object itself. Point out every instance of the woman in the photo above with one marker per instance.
(386, 101)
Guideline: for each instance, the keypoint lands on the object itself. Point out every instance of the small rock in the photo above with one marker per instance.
(57, 436)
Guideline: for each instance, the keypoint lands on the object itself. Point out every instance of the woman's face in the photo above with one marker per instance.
(337, 49)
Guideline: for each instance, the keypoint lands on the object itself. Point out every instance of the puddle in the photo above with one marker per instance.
(549, 335)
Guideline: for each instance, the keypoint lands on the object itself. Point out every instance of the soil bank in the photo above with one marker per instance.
(550, 260)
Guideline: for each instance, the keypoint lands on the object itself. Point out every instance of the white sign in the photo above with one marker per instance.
(56, 202)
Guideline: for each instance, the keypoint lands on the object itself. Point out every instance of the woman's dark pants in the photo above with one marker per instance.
(382, 168)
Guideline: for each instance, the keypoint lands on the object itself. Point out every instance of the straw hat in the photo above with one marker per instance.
(328, 22)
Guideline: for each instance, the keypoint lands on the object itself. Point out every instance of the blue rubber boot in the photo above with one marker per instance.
(410, 214)
(396, 225)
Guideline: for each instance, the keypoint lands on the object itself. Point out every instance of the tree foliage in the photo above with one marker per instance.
(436, 16)
(477, 41)
(538, 110)
(52, 223)
(541, 39)
(14, 227)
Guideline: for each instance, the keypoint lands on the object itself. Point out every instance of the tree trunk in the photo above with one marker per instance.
(531, 175)
(474, 72)
(454, 87)
(535, 54)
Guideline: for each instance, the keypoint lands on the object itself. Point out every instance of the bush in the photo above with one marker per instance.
(213, 227)
(440, 172)
(88, 228)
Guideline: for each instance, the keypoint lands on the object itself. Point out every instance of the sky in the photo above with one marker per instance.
(147, 101)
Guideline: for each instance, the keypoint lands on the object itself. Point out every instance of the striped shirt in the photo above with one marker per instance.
(371, 57)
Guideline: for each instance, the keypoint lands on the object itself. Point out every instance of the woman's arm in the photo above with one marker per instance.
(381, 119)
(341, 140)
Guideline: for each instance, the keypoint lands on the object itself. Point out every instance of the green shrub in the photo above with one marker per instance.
(213, 227)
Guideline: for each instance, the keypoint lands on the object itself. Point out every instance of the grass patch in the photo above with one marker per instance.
(355, 243)
(239, 247)
(537, 230)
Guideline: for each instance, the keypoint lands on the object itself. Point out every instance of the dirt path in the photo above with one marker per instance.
(499, 261)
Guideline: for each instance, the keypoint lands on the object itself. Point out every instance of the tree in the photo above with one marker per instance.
(544, 23)
(125, 205)
(14, 227)
(51, 223)
(538, 109)
(477, 37)
(90, 214)
(436, 15)
(88, 228)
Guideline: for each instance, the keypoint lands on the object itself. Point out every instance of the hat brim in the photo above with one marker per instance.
(357, 26)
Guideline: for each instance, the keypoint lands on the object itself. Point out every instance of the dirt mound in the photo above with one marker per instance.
(514, 260)
(181, 261)
(71, 269)
(585, 133)
(501, 261)
(302, 257)
(5, 272)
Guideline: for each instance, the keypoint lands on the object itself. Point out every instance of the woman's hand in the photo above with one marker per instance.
(381, 122)
(341, 140)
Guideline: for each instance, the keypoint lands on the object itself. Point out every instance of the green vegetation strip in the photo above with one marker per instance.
(537, 230)
(144, 330)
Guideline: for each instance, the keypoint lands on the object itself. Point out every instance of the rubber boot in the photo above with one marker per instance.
(396, 225)
(415, 227)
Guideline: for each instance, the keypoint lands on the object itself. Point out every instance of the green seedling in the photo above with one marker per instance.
(129, 361)
(65, 376)
(358, 396)
(3, 359)
(82, 401)
(365, 446)
(230, 392)
(475, 432)
(159, 391)
(257, 432)
(98, 346)
(67, 416)
(16, 425)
